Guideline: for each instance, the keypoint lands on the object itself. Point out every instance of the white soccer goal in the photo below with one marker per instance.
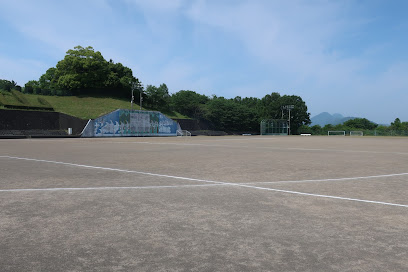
(183, 133)
(336, 133)
(356, 133)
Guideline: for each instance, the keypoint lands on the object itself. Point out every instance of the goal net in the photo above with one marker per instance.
(336, 133)
(356, 133)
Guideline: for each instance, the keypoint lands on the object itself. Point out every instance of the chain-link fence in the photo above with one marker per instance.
(361, 132)
(274, 127)
(385, 132)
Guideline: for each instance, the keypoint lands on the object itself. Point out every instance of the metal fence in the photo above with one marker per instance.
(385, 132)
(377, 132)
(274, 127)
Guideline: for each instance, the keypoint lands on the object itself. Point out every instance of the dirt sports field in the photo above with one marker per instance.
(204, 204)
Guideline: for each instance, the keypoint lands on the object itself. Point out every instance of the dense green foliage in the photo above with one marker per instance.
(241, 114)
(85, 71)
(271, 107)
(361, 124)
(189, 103)
(7, 85)
(398, 125)
(236, 114)
(157, 97)
(228, 115)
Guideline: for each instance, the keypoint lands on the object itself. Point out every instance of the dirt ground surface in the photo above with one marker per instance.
(232, 203)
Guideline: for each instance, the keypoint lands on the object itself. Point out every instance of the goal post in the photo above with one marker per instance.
(356, 133)
(336, 133)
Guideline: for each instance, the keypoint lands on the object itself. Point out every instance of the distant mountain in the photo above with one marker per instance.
(325, 118)
(337, 116)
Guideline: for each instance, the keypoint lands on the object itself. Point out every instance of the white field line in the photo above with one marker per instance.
(332, 179)
(325, 196)
(112, 169)
(110, 188)
(250, 138)
(210, 181)
(268, 147)
(243, 146)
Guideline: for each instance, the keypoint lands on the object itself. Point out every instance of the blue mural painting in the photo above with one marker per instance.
(120, 123)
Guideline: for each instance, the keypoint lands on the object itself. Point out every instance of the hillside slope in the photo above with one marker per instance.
(84, 107)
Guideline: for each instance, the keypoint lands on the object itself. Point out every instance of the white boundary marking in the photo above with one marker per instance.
(192, 179)
(108, 188)
(268, 147)
(113, 169)
(233, 146)
(325, 196)
(332, 179)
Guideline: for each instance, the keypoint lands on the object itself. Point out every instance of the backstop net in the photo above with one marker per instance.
(274, 127)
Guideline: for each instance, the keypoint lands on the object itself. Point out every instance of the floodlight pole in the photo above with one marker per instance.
(289, 108)
(131, 101)
(289, 122)
(141, 99)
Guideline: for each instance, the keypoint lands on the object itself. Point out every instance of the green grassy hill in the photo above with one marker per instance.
(84, 107)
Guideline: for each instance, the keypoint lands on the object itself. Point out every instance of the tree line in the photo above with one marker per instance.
(239, 114)
(360, 124)
(84, 71)
(8, 85)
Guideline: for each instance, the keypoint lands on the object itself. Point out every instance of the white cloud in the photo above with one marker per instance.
(179, 74)
(59, 25)
(228, 48)
(301, 42)
(291, 35)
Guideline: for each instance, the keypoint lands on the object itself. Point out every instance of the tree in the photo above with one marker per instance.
(85, 71)
(189, 103)
(229, 115)
(47, 82)
(9, 85)
(120, 79)
(81, 68)
(360, 123)
(32, 87)
(328, 127)
(251, 102)
(396, 124)
(272, 107)
(316, 129)
(298, 115)
(158, 97)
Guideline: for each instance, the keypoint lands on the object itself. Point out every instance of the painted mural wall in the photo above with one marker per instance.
(131, 123)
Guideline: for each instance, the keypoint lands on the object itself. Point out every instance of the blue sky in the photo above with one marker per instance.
(343, 56)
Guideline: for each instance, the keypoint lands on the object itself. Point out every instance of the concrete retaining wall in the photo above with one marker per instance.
(39, 120)
(122, 123)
